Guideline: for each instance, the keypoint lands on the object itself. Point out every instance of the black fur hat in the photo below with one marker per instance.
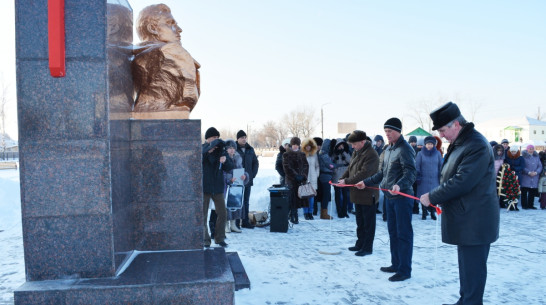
(356, 136)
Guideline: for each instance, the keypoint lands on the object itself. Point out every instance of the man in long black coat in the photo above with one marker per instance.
(251, 165)
(470, 209)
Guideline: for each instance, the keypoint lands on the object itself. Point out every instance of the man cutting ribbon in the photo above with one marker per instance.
(468, 198)
(397, 174)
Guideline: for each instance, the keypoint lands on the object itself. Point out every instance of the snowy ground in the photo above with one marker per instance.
(287, 268)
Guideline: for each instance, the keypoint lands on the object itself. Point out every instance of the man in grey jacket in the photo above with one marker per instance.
(470, 209)
(397, 174)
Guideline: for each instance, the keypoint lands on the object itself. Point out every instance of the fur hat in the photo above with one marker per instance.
(394, 124)
(212, 132)
(318, 141)
(241, 134)
(378, 137)
(430, 139)
(445, 114)
(412, 139)
(231, 143)
(514, 149)
(356, 136)
(295, 141)
(309, 142)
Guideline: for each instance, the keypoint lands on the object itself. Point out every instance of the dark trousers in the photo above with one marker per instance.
(318, 198)
(365, 226)
(472, 273)
(342, 200)
(246, 206)
(326, 189)
(399, 211)
(528, 197)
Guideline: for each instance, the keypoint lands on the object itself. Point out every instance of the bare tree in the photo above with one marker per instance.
(272, 134)
(421, 113)
(300, 123)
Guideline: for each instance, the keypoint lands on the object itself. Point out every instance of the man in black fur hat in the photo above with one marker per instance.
(467, 194)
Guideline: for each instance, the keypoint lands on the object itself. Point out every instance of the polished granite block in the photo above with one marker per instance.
(168, 225)
(174, 277)
(73, 107)
(69, 246)
(85, 23)
(166, 184)
(64, 178)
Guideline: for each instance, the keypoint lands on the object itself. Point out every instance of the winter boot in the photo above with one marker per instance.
(233, 227)
(324, 215)
(294, 216)
(433, 215)
(228, 230)
(311, 216)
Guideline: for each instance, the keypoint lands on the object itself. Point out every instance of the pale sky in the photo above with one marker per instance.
(366, 60)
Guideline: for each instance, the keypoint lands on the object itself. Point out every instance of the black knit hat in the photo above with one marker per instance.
(394, 124)
(378, 137)
(356, 136)
(211, 132)
(412, 139)
(295, 141)
(241, 134)
(318, 141)
(445, 114)
(430, 139)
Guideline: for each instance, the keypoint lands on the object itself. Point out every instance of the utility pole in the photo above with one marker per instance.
(322, 120)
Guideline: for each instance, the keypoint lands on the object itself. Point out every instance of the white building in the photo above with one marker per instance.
(524, 130)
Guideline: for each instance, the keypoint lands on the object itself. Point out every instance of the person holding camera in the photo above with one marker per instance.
(296, 168)
(215, 162)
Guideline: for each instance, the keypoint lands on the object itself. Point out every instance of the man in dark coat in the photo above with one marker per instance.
(364, 163)
(470, 210)
(251, 165)
(215, 162)
(397, 174)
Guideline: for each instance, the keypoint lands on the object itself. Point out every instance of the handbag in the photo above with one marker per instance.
(306, 190)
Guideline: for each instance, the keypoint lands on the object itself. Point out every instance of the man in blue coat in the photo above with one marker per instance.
(470, 209)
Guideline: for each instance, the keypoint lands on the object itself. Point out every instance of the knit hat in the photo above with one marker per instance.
(231, 143)
(430, 139)
(493, 143)
(211, 132)
(394, 124)
(356, 136)
(378, 137)
(285, 141)
(295, 141)
(318, 141)
(412, 139)
(505, 141)
(530, 146)
(514, 149)
(445, 114)
(240, 134)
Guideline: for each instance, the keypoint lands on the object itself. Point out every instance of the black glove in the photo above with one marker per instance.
(300, 178)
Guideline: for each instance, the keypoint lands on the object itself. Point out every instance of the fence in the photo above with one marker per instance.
(9, 155)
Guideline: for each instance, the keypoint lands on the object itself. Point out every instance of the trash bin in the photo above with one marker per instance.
(280, 206)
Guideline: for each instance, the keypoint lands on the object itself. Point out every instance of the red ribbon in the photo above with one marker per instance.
(438, 210)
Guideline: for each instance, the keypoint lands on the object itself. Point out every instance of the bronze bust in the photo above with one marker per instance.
(166, 77)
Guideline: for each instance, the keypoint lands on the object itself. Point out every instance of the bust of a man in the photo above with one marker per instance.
(166, 77)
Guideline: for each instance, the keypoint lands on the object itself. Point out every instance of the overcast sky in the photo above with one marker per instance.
(362, 61)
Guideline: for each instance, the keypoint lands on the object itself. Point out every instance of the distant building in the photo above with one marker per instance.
(524, 130)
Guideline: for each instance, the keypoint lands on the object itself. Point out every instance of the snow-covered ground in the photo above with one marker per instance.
(287, 268)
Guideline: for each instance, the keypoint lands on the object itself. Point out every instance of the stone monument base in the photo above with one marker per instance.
(159, 277)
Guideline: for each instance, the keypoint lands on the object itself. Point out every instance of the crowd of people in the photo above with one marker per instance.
(471, 182)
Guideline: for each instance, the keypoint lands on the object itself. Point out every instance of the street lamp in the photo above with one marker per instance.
(322, 119)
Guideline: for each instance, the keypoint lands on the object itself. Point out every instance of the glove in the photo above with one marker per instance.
(299, 178)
